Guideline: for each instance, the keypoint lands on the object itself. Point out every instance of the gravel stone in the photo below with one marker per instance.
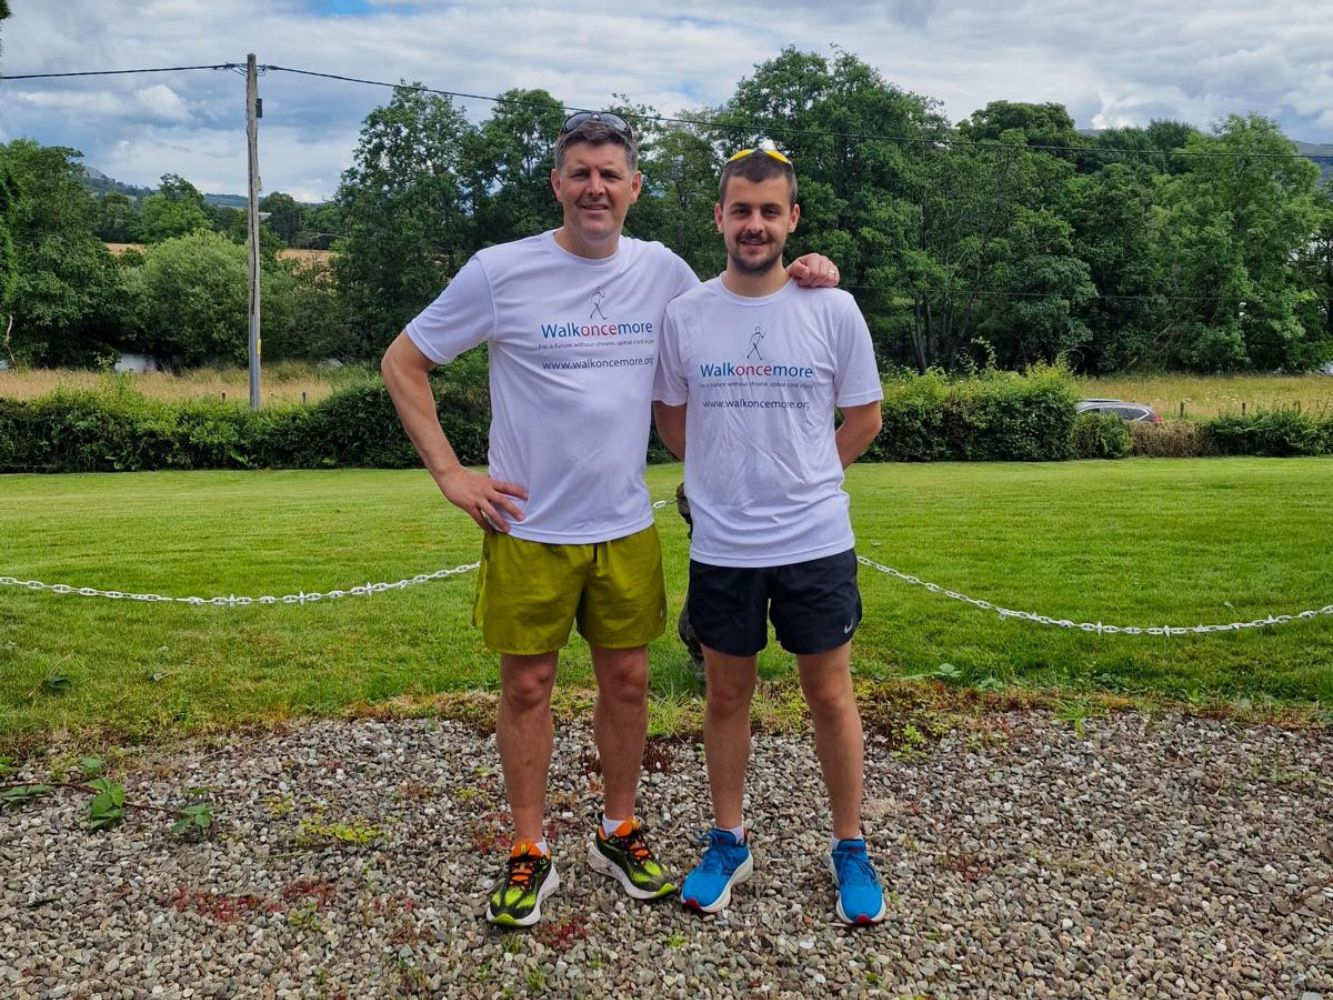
(1160, 856)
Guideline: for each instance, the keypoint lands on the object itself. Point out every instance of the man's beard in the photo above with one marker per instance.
(760, 267)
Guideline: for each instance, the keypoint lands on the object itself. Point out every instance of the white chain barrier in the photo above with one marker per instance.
(369, 589)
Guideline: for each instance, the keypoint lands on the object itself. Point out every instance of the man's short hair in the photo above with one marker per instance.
(757, 165)
(595, 133)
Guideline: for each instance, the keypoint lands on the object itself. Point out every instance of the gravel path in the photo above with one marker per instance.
(1157, 857)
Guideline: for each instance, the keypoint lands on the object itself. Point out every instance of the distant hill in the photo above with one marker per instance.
(99, 184)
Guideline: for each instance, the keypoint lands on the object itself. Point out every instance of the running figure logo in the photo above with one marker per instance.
(597, 298)
(755, 337)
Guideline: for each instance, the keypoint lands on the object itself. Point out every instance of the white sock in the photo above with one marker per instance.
(542, 846)
(736, 831)
(833, 841)
(610, 826)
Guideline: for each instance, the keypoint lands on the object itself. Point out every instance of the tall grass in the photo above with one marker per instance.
(1214, 395)
(281, 382)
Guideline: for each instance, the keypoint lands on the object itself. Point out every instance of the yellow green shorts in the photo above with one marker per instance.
(529, 594)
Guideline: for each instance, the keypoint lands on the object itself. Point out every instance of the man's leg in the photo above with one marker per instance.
(524, 735)
(727, 861)
(730, 687)
(826, 682)
(620, 723)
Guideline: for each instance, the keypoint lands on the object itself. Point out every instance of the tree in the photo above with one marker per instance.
(1314, 264)
(64, 290)
(286, 216)
(1233, 224)
(1047, 127)
(507, 164)
(191, 299)
(116, 219)
(406, 214)
(858, 144)
(177, 208)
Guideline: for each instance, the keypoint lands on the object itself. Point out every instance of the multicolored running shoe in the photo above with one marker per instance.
(625, 857)
(529, 878)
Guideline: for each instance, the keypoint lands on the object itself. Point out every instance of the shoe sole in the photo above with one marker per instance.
(603, 865)
(741, 874)
(863, 920)
(551, 884)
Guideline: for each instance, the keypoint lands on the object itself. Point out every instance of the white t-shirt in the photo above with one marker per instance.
(573, 347)
(761, 377)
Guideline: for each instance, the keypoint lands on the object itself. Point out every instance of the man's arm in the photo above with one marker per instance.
(860, 425)
(483, 499)
(670, 422)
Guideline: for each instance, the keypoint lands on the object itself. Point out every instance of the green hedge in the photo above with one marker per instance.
(992, 417)
(117, 430)
(995, 416)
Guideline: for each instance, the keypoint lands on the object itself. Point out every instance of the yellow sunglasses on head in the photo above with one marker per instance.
(758, 149)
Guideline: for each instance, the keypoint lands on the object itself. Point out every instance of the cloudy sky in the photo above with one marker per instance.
(1109, 64)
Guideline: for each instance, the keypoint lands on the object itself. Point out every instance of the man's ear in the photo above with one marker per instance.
(795, 215)
(717, 215)
(555, 181)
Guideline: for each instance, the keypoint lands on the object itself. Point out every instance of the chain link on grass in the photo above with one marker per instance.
(369, 589)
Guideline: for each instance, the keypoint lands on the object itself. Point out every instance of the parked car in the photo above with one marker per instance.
(1135, 412)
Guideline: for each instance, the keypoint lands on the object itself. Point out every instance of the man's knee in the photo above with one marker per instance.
(526, 684)
(622, 675)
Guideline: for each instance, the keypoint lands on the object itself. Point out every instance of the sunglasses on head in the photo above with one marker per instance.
(758, 149)
(606, 118)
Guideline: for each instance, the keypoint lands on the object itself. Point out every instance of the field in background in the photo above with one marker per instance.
(1211, 395)
(1144, 542)
(284, 382)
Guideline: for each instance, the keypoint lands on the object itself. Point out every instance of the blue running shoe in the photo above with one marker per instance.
(725, 863)
(860, 898)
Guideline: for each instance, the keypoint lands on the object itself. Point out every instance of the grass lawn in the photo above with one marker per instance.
(1138, 542)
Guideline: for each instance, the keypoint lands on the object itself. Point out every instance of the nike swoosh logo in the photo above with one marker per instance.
(848, 627)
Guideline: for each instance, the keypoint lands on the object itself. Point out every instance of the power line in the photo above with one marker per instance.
(751, 127)
(114, 72)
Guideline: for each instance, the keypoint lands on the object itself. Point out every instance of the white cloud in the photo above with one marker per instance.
(1122, 65)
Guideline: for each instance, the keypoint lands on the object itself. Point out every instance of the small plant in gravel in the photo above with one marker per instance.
(314, 832)
(1076, 712)
(108, 804)
(561, 935)
(912, 744)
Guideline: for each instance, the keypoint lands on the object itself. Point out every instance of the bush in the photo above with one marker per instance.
(1101, 435)
(1279, 433)
(997, 416)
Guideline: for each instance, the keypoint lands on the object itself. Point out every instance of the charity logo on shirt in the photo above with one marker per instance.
(601, 322)
(756, 365)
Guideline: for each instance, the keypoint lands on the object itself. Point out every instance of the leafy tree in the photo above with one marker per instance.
(191, 299)
(1314, 263)
(1114, 215)
(1233, 223)
(64, 291)
(286, 216)
(680, 170)
(508, 164)
(177, 208)
(116, 219)
(406, 214)
(303, 313)
(1043, 126)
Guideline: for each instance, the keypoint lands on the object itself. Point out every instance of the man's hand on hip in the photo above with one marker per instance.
(482, 498)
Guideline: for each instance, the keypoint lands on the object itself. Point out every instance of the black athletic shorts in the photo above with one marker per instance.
(815, 606)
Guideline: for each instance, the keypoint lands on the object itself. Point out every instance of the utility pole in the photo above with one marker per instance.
(253, 109)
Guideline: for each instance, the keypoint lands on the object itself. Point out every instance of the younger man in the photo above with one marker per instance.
(750, 370)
